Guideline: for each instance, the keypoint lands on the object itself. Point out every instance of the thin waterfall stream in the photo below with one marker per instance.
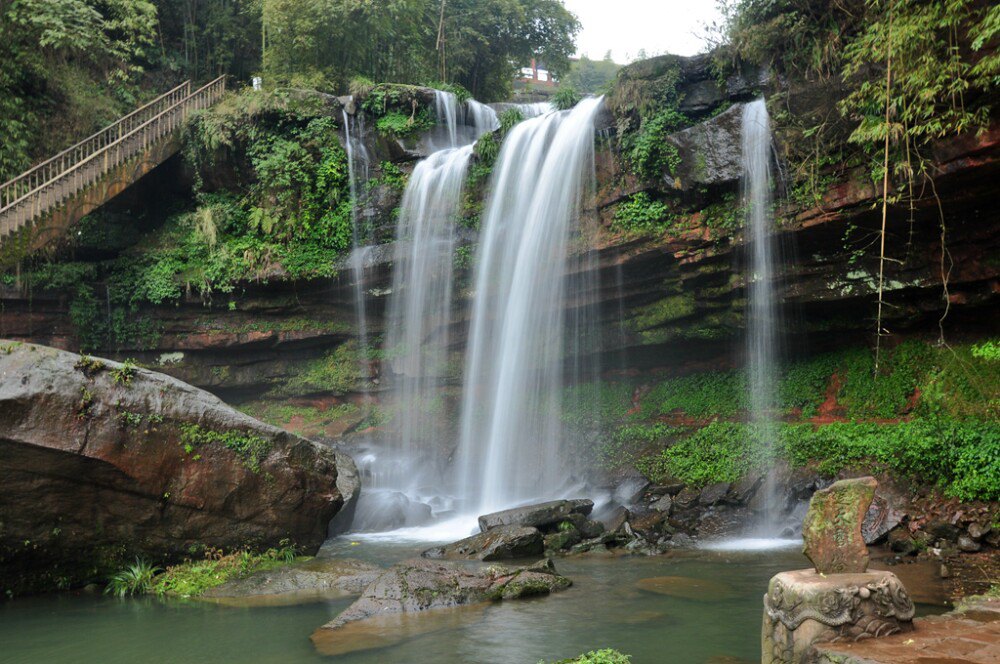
(359, 171)
(763, 312)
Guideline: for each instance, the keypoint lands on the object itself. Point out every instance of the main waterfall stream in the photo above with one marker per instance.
(510, 448)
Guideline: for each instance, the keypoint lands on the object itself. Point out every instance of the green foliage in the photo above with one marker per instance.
(932, 72)
(396, 40)
(338, 371)
(566, 97)
(124, 373)
(603, 656)
(136, 579)
(987, 350)
(961, 456)
(640, 213)
(399, 124)
(719, 452)
(253, 450)
(648, 151)
(81, 58)
(194, 577)
(508, 119)
(698, 395)
(90, 366)
(392, 176)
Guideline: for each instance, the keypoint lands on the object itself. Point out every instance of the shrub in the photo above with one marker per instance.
(566, 98)
(136, 579)
(641, 213)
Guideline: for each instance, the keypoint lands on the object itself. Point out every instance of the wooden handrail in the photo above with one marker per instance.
(182, 90)
(83, 164)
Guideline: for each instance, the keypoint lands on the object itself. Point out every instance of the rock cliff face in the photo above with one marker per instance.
(671, 297)
(103, 461)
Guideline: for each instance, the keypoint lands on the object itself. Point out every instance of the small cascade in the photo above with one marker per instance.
(359, 172)
(480, 117)
(446, 109)
(510, 448)
(527, 111)
(762, 312)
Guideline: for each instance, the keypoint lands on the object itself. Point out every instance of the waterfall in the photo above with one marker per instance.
(527, 111)
(762, 312)
(420, 308)
(510, 447)
(358, 172)
(480, 117)
(446, 109)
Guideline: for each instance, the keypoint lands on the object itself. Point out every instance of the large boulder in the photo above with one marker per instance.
(500, 543)
(301, 582)
(104, 461)
(710, 151)
(538, 516)
(419, 585)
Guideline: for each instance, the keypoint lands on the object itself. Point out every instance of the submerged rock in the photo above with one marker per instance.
(103, 461)
(832, 527)
(540, 515)
(298, 583)
(688, 587)
(500, 543)
(420, 585)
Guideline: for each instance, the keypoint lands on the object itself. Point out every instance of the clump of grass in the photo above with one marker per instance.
(136, 579)
(192, 578)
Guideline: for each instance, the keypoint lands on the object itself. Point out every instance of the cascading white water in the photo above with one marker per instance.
(407, 484)
(510, 448)
(762, 313)
(420, 308)
(480, 117)
(358, 171)
(527, 111)
(446, 109)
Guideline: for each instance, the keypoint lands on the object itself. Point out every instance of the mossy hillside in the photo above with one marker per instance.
(309, 421)
(271, 201)
(929, 415)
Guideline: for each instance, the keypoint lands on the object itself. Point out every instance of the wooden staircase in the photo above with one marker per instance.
(85, 176)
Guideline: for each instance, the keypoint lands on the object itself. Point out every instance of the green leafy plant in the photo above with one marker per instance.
(566, 97)
(136, 579)
(253, 450)
(640, 213)
(124, 373)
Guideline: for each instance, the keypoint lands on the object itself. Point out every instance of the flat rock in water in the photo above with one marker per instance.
(687, 588)
(419, 585)
(832, 527)
(542, 514)
(500, 543)
(297, 583)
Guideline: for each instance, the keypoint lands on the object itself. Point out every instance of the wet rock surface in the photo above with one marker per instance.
(297, 583)
(420, 585)
(540, 515)
(102, 460)
(500, 543)
(832, 528)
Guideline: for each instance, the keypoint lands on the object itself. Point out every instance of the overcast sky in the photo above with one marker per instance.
(625, 26)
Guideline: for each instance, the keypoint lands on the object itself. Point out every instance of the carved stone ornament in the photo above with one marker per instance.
(804, 607)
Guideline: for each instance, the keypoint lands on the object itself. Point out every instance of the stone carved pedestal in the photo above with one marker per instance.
(805, 607)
